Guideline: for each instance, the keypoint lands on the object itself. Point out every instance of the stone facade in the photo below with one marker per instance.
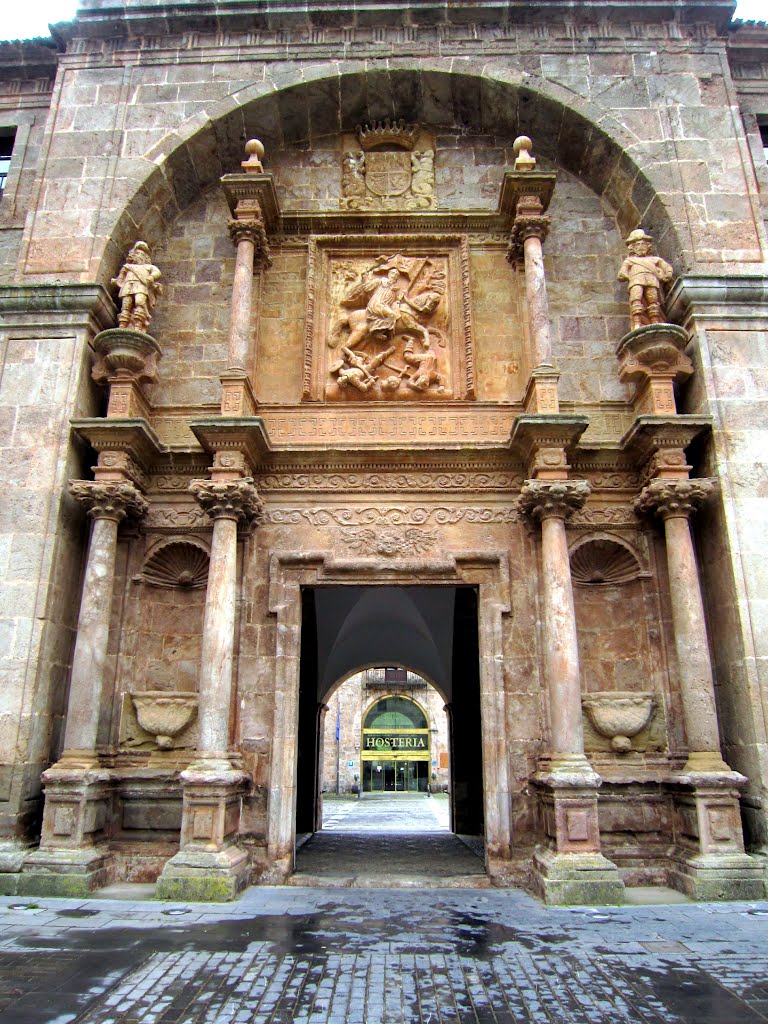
(387, 409)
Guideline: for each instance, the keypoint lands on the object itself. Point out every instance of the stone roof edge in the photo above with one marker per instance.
(112, 18)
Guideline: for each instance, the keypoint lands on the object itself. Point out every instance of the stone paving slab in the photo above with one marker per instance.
(281, 954)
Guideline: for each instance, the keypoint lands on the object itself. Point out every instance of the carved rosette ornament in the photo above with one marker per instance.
(674, 498)
(232, 499)
(109, 500)
(545, 499)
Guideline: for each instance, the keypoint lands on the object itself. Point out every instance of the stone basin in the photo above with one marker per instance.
(619, 715)
(164, 714)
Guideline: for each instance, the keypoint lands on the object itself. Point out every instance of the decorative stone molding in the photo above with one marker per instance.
(164, 714)
(543, 499)
(319, 478)
(391, 516)
(390, 541)
(674, 498)
(619, 716)
(175, 564)
(231, 499)
(544, 441)
(108, 500)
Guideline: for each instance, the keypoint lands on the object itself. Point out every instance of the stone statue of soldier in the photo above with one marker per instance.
(646, 275)
(139, 286)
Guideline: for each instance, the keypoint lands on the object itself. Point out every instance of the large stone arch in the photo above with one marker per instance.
(311, 101)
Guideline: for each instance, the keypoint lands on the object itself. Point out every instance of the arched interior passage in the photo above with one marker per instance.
(431, 631)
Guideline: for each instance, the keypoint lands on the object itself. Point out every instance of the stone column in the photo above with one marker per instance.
(571, 868)
(250, 237)
(711, 863)
(531, 227)
(209, 864)
(107, 505)
(530, 192)
(674, 501)
(253, 204)
(72, 859)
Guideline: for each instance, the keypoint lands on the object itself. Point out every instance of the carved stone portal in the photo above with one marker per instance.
(390, 325)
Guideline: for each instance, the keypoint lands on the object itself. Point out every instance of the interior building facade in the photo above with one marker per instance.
(418, 334)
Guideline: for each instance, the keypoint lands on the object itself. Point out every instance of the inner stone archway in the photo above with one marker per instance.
(431, 631)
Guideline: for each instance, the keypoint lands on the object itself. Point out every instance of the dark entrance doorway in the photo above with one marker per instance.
(432, 631)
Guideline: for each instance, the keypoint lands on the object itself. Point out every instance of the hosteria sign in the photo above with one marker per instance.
(387, 741)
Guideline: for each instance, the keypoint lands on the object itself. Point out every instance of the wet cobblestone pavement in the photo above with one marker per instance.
(360, 957)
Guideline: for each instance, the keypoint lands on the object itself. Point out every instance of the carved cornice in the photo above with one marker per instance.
(54, 306)
(649, 434)
(232, 499)
(674, 498)
(545, 499)
(108, 500)
(245, 435)
(517, 184)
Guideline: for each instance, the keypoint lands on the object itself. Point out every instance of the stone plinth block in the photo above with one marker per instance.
(574, 879)
(209, 865)
(653, 358)
(710, 862)
(541, 395)
(72, 859)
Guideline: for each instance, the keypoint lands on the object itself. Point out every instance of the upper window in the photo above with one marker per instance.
(764, 137)
(7, 137)
(395, 713)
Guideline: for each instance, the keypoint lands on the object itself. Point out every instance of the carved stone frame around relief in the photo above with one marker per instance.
(428, 356)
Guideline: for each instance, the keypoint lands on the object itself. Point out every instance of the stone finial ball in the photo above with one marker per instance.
(254, 148)
(521, 142)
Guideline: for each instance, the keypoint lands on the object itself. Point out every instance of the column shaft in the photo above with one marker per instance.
(536, 294)
(561, 652)
(240, 311)
(694, 665)
(89, 661)
(218, 640)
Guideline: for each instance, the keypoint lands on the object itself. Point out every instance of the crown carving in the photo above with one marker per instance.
(386, 132)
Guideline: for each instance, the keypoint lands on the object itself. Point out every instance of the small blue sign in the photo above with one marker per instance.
(350, 764)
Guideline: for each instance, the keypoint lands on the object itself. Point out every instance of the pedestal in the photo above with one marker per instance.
(209, 866)
(710, 862)
(73, 859)
(570, 869)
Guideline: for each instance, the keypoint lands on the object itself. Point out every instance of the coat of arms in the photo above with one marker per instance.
(388, 166)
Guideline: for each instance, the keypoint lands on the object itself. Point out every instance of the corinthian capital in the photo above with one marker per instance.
(108, 500)
(674, 498)
(543, 499)
(252, 228)
(231, 499)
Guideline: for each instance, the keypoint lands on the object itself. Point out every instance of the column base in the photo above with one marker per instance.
(204, 877)
(64, 872)
(714, 877)
(576, 878)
